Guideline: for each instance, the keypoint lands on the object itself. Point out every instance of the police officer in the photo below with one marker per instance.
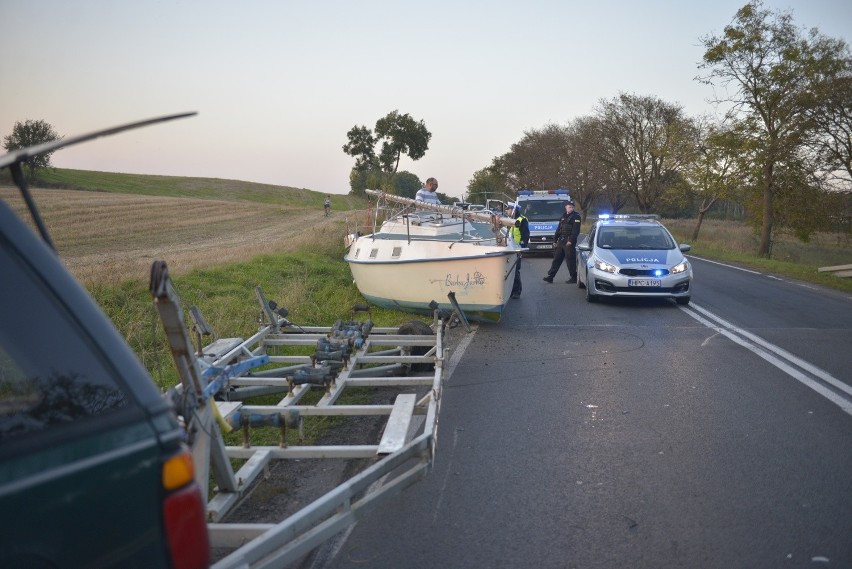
(520, 233)
(565, 239)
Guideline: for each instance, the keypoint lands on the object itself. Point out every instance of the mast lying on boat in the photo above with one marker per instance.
(440, 208)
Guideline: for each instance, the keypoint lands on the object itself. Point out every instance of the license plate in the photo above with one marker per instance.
(643, 282)
(548, 246)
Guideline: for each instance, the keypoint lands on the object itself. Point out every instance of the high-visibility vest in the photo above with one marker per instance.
(516, 230)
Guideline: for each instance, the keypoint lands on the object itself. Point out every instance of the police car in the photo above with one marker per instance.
(542, 210)
(633, 256)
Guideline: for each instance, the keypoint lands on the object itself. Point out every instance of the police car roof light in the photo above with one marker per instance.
(560, 192)
(629, 216)
(525, 192)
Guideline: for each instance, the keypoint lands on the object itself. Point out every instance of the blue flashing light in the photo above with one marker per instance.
(604, 216)
(525, 192)
(561, 192)
(658, 273)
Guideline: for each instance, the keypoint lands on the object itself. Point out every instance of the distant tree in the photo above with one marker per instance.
(587, 176)
(360, 146)
(368, 179)
(646, 142)
(538, 160)
(720, 168)
(831, 114)
(31, 133)
(774, 70)
(398, 134)
(487, 184)
(406, 184)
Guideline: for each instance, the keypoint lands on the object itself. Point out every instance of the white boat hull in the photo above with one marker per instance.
(409, 275)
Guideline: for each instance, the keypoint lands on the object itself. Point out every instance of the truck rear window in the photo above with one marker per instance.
(50, 375)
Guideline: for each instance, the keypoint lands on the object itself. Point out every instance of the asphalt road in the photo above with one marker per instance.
(636, 434)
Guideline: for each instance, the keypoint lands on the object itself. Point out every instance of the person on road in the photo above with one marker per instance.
(565, 244)
(327, 205)
(521, 235)
(427, 192)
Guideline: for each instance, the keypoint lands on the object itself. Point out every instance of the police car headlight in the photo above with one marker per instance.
(605, 267)
(680, 267)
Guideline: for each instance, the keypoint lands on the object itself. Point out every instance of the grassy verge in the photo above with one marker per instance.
(314, 284)
(735, 243)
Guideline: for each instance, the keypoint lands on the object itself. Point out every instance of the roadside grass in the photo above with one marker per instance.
(735, 242)
(315, 285)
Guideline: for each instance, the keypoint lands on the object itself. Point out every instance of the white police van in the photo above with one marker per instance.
(542, 210)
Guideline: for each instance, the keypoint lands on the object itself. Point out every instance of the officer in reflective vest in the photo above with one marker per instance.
(520, 233)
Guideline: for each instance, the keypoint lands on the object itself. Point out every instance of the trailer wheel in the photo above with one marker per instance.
(417, 328)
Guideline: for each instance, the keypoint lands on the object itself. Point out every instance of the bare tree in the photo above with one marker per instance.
(645, 142)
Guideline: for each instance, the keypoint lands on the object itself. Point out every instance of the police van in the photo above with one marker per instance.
(542, 210)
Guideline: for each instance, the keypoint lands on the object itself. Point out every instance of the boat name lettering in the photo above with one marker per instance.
(478, 279)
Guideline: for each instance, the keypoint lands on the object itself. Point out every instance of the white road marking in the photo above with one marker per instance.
(726, 265)
(778, 357)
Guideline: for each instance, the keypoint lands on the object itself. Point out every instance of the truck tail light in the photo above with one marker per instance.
(184, 515)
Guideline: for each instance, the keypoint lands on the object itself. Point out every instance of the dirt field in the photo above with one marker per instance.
(104, 236)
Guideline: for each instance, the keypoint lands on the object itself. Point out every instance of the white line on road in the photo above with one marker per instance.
(777, 357)
(727, 265)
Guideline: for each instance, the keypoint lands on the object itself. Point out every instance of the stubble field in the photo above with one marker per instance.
(108, 237)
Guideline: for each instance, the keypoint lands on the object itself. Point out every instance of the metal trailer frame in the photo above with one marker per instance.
(380, 359)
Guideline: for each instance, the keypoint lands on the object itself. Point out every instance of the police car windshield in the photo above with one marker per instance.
(643, 238)
(543, 210)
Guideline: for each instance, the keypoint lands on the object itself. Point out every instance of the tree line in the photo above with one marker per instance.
(780, 151)
(779, 154)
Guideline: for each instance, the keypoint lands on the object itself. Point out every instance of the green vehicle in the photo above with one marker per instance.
(93, 470)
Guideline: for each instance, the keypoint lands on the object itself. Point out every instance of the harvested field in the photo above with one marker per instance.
(108, 236)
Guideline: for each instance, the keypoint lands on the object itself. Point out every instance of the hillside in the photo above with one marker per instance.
(111, 227)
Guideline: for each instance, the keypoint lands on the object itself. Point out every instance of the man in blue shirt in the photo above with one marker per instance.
(427, 192)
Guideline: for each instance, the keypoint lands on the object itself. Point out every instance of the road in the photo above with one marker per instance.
(636, 434)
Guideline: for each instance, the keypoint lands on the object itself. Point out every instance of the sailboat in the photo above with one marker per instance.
(417, 252)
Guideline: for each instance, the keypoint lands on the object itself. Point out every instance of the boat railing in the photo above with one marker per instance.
(411, 213)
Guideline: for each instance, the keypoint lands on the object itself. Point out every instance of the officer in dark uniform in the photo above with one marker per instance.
(565, 239)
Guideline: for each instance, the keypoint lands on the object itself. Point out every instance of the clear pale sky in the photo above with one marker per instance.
(277, 84)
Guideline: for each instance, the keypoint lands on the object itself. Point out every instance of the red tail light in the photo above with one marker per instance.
(184, 515)
(186, 529)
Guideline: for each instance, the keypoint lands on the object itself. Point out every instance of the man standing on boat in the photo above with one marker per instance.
(427, 192)
(521, 235)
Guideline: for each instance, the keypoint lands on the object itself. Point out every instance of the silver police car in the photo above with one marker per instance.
(633, 256)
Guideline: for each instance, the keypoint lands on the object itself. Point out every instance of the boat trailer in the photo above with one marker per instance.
(218, 382)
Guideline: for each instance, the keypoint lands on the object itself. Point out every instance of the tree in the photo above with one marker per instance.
(538, 160)
(31, 133)
(398, 135)
(487, 184)
(773, 69)
(831, 114)
(406, 184)
(645, 142)
(719, 169)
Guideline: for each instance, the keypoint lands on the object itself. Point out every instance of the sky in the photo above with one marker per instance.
(278, 84)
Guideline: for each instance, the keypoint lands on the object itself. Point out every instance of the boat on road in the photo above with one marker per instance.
(416, 253)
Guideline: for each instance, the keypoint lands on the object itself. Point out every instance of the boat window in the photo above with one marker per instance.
(397, 251)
